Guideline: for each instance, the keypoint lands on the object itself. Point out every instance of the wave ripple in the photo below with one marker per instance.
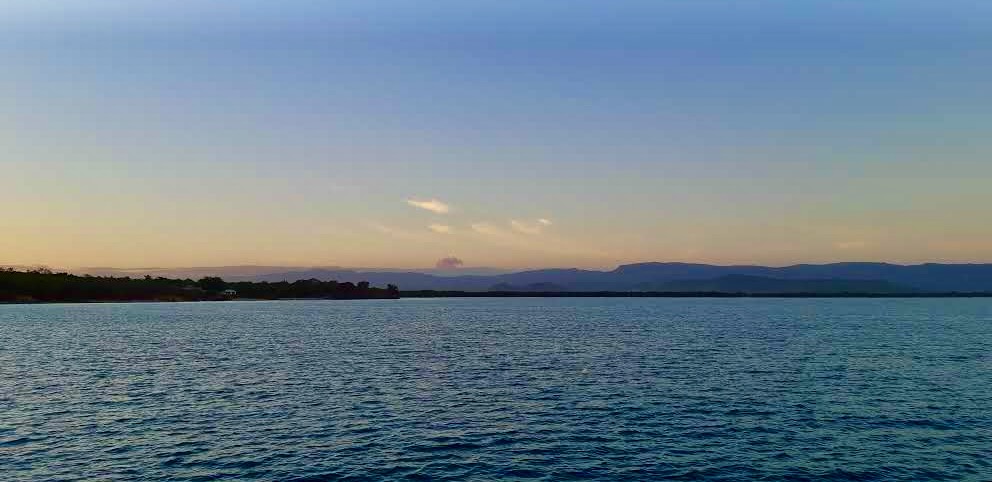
(476, 389)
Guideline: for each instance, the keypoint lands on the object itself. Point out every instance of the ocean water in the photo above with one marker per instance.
(499, 389)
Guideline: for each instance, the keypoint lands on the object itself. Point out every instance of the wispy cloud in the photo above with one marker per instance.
(441, 228)
(522, 236)
(432, 205)
(486, 228)
(382, 228)
(529, 228)
(450, 262)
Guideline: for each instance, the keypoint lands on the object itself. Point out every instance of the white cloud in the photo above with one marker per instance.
(544, 221)
(546, 243)
(382, 228)
(528, 228)
(440, 228)
(450, 262)
(432, 205)
(485, 228)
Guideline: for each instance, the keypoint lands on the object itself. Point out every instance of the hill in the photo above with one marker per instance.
(763, 285)
(928, 277)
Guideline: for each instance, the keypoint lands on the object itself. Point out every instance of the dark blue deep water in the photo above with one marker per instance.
(499, 389)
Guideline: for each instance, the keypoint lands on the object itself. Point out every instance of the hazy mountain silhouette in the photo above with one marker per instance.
(742, 283)
(926, 277)
(930, 277)
(643, 276)
(534, 287)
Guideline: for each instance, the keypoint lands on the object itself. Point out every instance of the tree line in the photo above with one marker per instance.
(43, 285)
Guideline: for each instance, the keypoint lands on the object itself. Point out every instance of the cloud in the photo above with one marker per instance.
(546, 243)
(486, 228)
(433, 205)
(382, 228)
(528, 228)
(440, 228)
(450, 262)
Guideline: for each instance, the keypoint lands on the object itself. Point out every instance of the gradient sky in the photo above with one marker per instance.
(139, 133)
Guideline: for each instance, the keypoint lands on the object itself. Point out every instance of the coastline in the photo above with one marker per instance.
(666, 294)
(98, 302)
(502, 294)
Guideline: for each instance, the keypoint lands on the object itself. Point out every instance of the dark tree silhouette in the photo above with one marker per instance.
(211, 283)
(18, 286)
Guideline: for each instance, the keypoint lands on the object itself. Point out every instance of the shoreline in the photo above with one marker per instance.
(666, 294)
(569, 294)
(98, 302)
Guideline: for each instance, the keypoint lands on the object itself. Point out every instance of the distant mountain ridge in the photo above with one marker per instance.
(532, 288)
(742, 283)
(929, 277)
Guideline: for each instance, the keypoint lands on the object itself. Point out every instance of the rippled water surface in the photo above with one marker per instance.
(487, 389)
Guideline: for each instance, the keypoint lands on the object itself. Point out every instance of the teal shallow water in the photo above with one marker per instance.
(487, 389)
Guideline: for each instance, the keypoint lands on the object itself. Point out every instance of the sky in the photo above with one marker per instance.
(510, 134)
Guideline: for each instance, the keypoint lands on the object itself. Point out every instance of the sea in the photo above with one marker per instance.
(548, 389)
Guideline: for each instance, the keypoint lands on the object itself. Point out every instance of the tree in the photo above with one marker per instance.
(211, 283)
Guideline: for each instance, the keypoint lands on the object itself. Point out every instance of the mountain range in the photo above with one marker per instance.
(863, 277)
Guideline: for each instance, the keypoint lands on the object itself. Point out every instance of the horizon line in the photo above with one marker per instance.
(471, 268)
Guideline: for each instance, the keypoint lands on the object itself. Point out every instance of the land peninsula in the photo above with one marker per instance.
(42, 285)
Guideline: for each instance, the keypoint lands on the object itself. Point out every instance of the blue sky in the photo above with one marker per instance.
(144, 133)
